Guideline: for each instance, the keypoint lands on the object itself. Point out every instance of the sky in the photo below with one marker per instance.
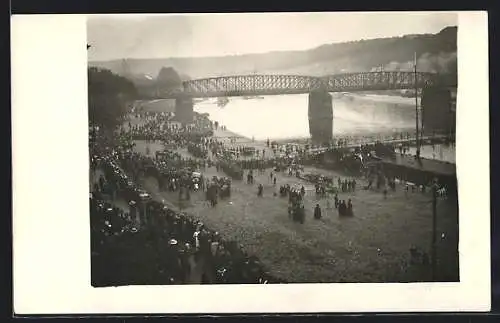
(202, 35)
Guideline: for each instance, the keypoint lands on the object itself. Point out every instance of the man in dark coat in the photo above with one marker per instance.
(349, 208)
(342, 208)
(317, 212)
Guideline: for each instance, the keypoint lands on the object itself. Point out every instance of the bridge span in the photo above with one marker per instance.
(320, 104)
(258, 84)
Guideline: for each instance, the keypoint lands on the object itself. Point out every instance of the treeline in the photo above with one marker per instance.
(108, 96)
(149, 87)
(368, 54)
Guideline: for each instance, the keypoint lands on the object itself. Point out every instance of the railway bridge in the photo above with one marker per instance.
(435, 91)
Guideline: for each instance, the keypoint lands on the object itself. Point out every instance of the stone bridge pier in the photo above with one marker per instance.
(320, 116)
(184, 110)
(438, 110)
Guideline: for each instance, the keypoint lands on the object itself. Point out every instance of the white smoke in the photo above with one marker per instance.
(434, 63)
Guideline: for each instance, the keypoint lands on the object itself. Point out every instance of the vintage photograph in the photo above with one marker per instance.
(272, 148)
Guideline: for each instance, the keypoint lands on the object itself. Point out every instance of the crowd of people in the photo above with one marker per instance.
(162, 127)
(197, 150)
(151, 243)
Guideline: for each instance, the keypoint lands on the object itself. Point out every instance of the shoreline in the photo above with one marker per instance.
(261, 143)
(305, 139)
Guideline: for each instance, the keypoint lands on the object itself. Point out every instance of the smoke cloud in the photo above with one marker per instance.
(434, 63)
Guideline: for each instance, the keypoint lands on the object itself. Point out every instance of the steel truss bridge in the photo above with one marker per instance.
(258, 84)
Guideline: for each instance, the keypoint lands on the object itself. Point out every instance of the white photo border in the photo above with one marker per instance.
(51, 243)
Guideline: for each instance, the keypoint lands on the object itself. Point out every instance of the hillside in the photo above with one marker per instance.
(436, 52)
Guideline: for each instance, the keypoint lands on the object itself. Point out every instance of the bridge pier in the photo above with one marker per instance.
(438, 114)
(184, 110)
(320, 116)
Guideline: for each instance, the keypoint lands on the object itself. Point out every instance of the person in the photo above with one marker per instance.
(101, 182)
(349, 208)
(336, 198)
(274, 181)
(96, 188)
(260, 190)
(317, 212)
(342, 208)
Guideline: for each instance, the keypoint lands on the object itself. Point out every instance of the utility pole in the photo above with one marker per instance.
(434, 230)
(416, 107)
(421, 115)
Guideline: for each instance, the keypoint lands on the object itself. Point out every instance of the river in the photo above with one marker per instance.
(283, 117)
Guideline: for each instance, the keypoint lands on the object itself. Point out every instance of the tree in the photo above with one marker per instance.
(168, 79)
(108, 96)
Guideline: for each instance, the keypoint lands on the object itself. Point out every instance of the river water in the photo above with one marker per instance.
(282, 117)
(286, 117)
